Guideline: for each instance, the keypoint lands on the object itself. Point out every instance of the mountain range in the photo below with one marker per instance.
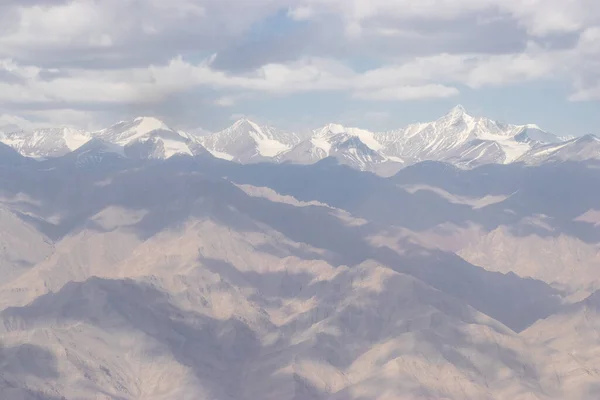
(139, 262)
(457, 138)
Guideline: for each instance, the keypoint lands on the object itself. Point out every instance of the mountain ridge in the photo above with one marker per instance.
(457, 138)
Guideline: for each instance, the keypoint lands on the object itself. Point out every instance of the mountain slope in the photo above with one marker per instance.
(204, 291)
(144, 137)
(246, 141)
(147, 137)
(457, 138)
(44, 143)
(350, 146)
(463, 139)
(572, 333)
(579, 149)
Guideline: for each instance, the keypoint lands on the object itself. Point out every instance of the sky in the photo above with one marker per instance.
(295, 64)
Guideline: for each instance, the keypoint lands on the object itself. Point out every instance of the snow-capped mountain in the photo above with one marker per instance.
(44, 143)
(144, 137)
(124, 133)
(246, 141)
(457, 138)
(355, 147)
(147, 137)
(579, 149)
(465, 140)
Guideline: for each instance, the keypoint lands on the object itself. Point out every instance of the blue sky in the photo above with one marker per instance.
(299, 64)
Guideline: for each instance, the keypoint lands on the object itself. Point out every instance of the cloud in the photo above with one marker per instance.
(539, 17)
(409, 93)
(35, 119)
(301, 13)
(98, 57)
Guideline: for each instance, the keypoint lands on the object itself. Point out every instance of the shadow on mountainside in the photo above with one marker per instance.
(19, 364)
(218, 352)
(561, 191)
(171, 193)
(227, 357)
(347, 320)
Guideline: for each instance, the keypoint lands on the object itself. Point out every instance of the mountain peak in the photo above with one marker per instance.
(245, 126)
(532, 126)
(457, 111)
(243, 121)
(589, 138)
(149, 124)
(335, 128)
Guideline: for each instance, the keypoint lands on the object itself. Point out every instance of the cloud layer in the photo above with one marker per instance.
(71, 61)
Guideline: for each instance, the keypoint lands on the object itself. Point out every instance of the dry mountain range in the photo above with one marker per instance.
(143, 263)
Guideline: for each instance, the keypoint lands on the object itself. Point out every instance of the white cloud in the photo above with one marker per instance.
(225, 101)
(586, 94)
(419, 78)
(409, 93)
(48, 118)
(83, 54)
(301, 13)
(539, 17)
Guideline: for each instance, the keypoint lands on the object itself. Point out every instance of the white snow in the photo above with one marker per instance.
(144, 126)
(336, 128)
(173, 147)
(478, 156)
(221, 155)
(149, 124)
(266, 146)
(13, 141)
(551, 150)
(532, 126)
(74, 139)
(245, 140)
(367, 137)
(321, 143)
(511, 148)
(395, 159)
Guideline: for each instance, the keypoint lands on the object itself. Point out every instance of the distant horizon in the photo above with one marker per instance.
(202, 131)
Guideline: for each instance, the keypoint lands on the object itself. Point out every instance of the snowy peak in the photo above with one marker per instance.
(354, 152)
(456, 137)
(126, 132)
(244, 124)
(150, 124)
(533, 133)
(458, 110)
(592, 139)
(147, 137)
(46, 142)
(456, 118)
(247, 141)
(462, 139)
(355, 147)
(329, 130)
(333, 132)
(583, 148)
(456, 113)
